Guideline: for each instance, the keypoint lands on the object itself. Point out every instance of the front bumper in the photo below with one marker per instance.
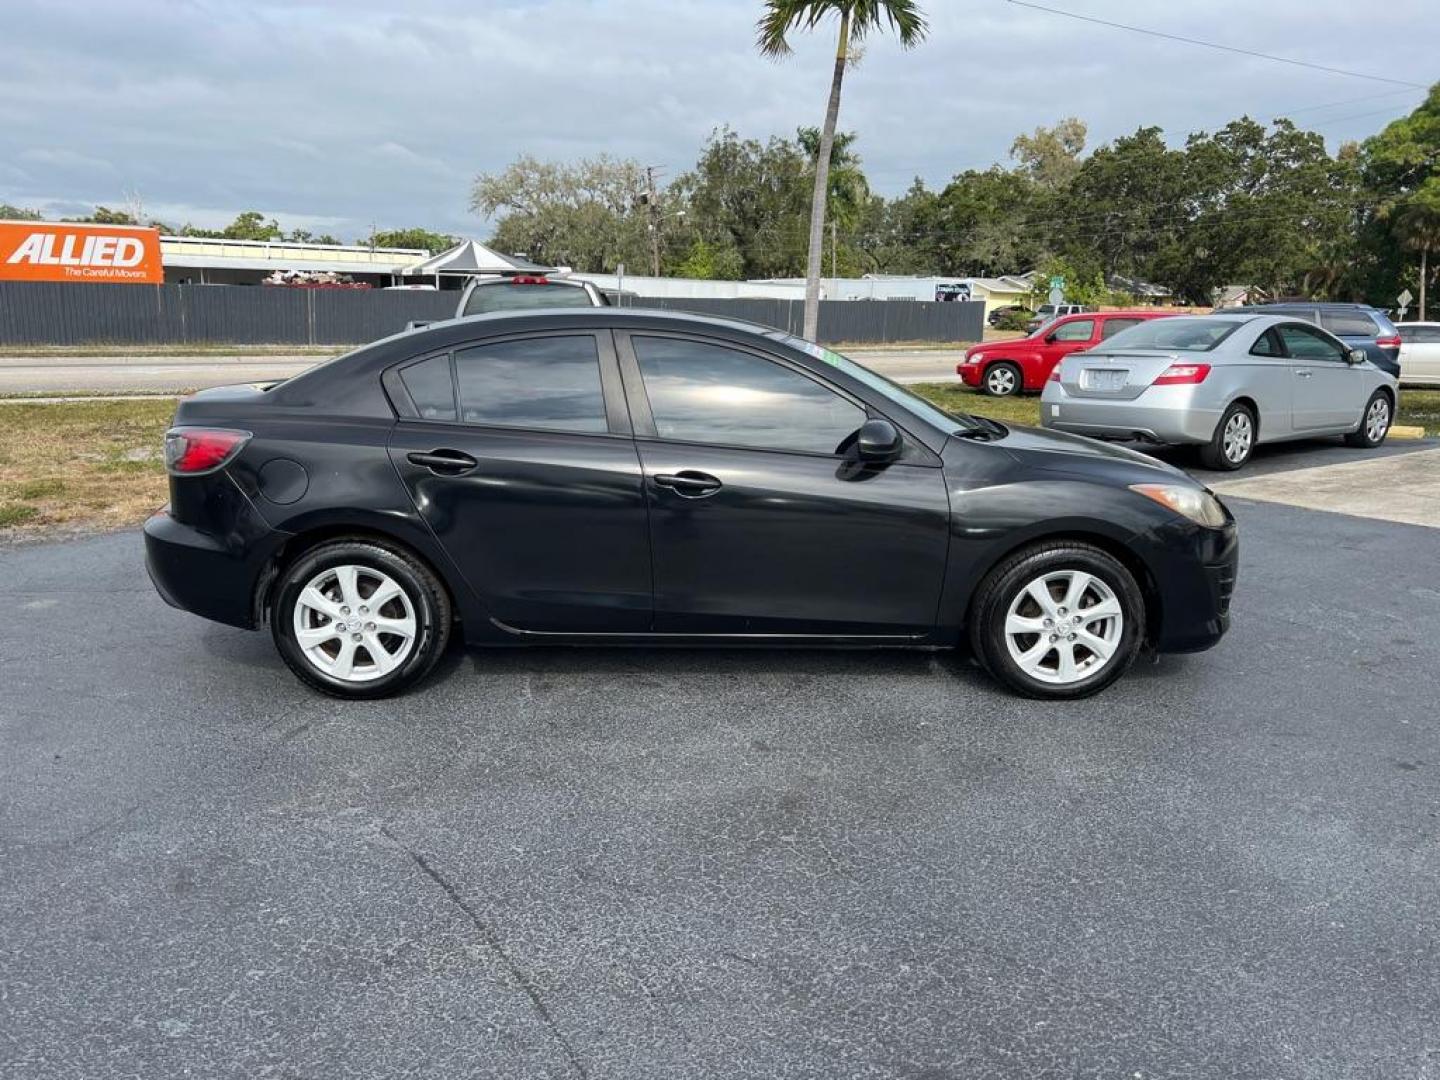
(1162, 414)
(1195, 579)
(970, 373)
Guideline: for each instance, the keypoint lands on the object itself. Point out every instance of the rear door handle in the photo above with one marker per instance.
(689, 483)
(444, 462)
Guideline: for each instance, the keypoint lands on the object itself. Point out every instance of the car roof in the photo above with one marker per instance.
(1306, 305)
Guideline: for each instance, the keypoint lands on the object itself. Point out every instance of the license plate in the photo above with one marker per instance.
(1105, 378)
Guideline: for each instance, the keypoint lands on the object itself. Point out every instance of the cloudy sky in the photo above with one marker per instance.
(333, 114)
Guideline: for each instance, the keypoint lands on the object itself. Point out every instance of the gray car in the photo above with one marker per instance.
(1223, 383)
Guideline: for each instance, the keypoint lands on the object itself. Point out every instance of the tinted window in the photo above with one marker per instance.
(1190, 333)
(551, 383)
(1267, 344)
(1306, 343)
(430, 388)
(1428, 335)
(1079, 330)
(509, 296)
(712, 394)
(1110, 327)
(1348, 323)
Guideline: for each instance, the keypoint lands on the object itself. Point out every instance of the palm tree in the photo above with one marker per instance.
(857, 19)
(1417, 225)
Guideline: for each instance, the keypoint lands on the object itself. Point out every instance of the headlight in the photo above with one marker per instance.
(1195, 503)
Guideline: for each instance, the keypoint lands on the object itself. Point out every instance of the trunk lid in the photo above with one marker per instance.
(1115, 374)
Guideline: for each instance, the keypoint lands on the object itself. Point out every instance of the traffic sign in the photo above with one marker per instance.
(1057, 296)
(1404, 298)
(1057, 282)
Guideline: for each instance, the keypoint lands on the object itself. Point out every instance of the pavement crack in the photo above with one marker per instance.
(493, 943)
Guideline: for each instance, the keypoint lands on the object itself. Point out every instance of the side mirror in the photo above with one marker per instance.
(878, 441)
(1356, 356)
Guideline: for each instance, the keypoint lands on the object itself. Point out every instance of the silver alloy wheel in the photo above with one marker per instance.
(354, 623)
(1239, 434)
(1064, 627)
(1377, 419)
(1000, 381)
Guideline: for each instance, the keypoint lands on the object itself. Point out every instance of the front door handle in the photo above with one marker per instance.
(1303, 372)
(444, 462)
(689, 484)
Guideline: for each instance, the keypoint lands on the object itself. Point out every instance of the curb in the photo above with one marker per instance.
(1402, 431)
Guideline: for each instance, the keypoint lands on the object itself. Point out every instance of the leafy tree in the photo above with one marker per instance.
(1051, 156)
(583, 215)
(712, 262)
(432, 242)
(305, 236)
(857, 19)
(1416, 222)
(750, 198)
(986, 217)
(1396, 165)
(103, 215)
(18, 213)
(848, 190)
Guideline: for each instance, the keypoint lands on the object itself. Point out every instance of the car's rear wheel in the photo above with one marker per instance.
(1233, 442)
(1375, 423)
(1002, 379)
(358, 619)
(1058, 620)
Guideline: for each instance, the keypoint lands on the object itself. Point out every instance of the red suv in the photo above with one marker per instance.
(1002, 368)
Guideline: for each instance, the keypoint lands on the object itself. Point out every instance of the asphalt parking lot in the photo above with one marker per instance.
(621, 863)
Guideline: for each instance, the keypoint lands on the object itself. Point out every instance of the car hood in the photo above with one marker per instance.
(1056, 451)
(1009, 344)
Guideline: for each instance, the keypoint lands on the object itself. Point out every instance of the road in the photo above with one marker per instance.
(623, 863)
(121, 373)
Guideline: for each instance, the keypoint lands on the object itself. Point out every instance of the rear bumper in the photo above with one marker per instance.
(1163, 414)
(210, 576)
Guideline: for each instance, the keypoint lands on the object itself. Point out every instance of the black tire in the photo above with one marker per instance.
(429, 608)
(1002, 379)
(1005, 585)
(1215, 455)
(1372, 430)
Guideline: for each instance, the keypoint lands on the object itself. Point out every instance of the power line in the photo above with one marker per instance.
(1215, 45)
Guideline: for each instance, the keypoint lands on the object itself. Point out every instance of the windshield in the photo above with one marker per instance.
(524, 296)
(1199, 334)
(913, 403)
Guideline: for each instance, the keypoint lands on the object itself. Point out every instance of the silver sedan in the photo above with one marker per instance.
(1224, 383)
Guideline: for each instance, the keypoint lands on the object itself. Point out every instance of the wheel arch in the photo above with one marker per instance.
(382, 532)
(1252, 406)
(1082, 533)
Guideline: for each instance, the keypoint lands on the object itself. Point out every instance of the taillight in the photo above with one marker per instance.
(1182, 374)
(1054, 374)
(1391, 342)
(192, 451)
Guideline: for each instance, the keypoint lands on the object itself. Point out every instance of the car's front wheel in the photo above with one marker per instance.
(1374, 424)
(359, 619)
(1002, 379)
(1058, 620)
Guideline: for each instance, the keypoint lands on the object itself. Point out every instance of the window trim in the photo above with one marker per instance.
(617, 417)
(643, 418)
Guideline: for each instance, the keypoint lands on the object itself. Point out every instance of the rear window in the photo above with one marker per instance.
(526, 296)
(1189, 335)
(1348, 323)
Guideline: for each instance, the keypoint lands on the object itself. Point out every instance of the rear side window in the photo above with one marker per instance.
(549, 383)
(429, 385)
(1267, 344)
(712, 394)
(524, 296)
(1111, 327)
(1348, 323)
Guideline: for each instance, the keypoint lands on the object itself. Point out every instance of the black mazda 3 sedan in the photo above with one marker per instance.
(608, 475)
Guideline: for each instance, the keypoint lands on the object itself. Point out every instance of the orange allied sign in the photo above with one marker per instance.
(51, 251)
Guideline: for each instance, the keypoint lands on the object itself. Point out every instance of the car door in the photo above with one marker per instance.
(1062, 340)
(518, 454)
(762, 520)
(1328, 392)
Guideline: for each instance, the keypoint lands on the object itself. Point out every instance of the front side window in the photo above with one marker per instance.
(707, 393)
(1079, 330)
(1307, 343)
(549, 383)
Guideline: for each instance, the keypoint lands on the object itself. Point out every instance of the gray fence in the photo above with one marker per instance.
(61, 313)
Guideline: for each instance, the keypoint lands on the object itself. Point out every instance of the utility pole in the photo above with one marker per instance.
(652, 209)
